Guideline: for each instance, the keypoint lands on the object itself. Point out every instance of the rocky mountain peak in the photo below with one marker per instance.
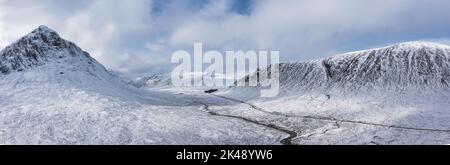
(44, 46)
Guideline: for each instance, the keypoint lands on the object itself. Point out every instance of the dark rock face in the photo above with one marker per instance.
(37, 48)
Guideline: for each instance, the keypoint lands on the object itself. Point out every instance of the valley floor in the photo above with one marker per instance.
(52, 114)
(324, 120)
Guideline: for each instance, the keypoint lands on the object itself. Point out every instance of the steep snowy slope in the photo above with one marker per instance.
(397, 67)
(417, 64)
(52, 92)
(44, 46)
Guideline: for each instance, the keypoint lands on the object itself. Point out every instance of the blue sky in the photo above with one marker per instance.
(139, 36)
(242, 7)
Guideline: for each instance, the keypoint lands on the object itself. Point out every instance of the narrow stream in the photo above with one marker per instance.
(285, 141)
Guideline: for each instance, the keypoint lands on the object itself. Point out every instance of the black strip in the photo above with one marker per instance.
(149, 154)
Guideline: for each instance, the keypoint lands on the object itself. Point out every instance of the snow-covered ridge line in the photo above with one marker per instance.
(397, 67)
(409, 44)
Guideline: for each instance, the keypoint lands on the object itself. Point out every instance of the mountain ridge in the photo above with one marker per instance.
(398, 67)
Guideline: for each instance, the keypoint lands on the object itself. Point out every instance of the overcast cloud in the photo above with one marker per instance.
(137, 36)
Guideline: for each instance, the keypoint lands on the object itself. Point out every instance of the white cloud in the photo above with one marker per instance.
(124, 35)
(297, 28)
(107, 29)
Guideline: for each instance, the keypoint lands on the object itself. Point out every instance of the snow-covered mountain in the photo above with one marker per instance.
(154, 80)
(397, 67)
(44, 46)
(42, 58)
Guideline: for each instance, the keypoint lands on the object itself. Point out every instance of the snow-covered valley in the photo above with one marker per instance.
(52, 92)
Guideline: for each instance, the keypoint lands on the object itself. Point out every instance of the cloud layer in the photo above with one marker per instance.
(139, 36)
